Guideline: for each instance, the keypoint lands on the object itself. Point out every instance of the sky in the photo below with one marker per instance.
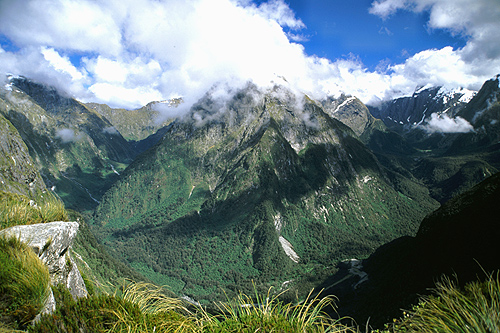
(126, 53)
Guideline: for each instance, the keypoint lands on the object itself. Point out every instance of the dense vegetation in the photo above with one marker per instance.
(76, 150)
(475, 308)
(101, 270)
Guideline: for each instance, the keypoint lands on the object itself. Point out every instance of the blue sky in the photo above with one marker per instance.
(337, 29)
(127, 53)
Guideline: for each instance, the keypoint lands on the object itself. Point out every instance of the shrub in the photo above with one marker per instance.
(24, 283)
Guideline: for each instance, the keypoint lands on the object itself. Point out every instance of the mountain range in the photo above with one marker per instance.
(270, 183)
(267, 188)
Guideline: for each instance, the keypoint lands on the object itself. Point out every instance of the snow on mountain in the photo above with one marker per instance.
(425, 101)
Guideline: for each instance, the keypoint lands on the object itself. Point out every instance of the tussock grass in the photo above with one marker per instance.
(475, 308)
(18, 209)
(160, 312)
(143, 307)
(242, 314)
(24, 283)
(269, 314)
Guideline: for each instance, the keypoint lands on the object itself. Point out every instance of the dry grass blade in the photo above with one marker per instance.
(151, 299)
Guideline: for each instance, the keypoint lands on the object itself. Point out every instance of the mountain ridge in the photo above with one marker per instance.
(457, 240)
(404, 112)
(282, 162)
(264, 189)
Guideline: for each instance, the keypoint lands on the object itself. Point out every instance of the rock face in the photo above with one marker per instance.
(352, 112)
(18, 173)
(52, 242)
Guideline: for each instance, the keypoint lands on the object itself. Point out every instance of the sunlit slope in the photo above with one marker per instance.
(266, 186)
(75, 149)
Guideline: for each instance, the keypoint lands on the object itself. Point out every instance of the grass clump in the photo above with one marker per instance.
(24, 283)
(142, 307)
(18, 209)
(269, 314)
(137, 307)
(91, 314)
(475, 308)
(161, 313)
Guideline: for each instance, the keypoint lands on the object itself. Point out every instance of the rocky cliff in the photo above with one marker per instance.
(52, 242)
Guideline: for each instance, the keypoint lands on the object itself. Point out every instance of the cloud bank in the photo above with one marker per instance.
(444, 124)
(126, 53)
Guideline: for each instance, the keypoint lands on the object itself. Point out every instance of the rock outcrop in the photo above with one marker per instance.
(52, 242)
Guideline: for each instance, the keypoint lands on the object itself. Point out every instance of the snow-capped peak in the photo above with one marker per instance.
(446, 94)
(419, 89)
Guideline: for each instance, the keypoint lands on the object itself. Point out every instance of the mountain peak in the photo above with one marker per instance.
(251, 176)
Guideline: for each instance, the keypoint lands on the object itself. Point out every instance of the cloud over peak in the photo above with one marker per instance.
(127, 53)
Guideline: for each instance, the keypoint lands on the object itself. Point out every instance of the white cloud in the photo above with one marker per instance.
(444, 124)
(62, 24)
(108, 70)
(385, 8)
(61, 64)
(111, 130)
(439, 67)
(278, 11)
(47, 66)
(137, 51)
(68, 135)
(120, 96)
(478, 21)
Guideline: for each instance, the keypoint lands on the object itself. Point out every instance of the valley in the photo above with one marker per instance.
(264, 189)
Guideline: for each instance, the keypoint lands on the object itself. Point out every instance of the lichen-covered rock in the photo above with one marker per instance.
(52, 242)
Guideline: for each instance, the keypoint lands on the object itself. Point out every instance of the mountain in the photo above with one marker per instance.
(18, 171)
(483, 112)
(40, 255)
(451, 148)
(402, 113)
(459, 240)
(353, 113)
(135, 125)
(77, 151)
(265, 187)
